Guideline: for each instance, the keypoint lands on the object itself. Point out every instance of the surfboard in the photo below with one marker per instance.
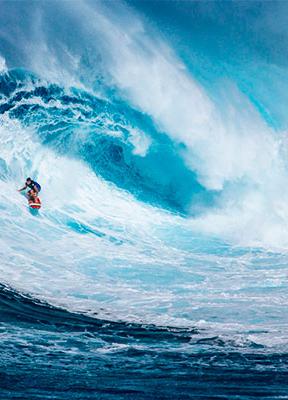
(35, 205)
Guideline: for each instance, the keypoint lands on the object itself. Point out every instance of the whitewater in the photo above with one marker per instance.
(157, 265)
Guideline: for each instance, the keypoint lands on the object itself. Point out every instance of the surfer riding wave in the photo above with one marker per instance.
(32, 194)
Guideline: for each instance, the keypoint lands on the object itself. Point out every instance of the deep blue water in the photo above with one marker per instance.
(50, 353)
(157, 265)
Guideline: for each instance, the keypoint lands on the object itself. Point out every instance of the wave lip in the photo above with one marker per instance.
(114, 140)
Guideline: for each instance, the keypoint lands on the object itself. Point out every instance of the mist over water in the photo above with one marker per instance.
(157, 131)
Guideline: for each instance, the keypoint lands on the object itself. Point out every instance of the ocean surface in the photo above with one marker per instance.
(157, 267)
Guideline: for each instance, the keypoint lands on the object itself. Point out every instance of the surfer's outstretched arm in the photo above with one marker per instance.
(20, 190)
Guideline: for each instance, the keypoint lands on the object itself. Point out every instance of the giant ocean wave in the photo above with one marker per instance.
(163, 231)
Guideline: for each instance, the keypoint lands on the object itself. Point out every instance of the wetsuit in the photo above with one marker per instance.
(35, 186)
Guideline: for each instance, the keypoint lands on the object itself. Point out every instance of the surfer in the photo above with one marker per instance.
(32, 185)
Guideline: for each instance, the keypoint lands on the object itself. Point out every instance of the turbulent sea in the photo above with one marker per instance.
(157, 266)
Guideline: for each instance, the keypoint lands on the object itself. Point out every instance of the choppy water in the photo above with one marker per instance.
(157, 266)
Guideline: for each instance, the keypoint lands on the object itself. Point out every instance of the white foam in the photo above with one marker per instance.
(3, 66)
(221, 145)
(145, 266)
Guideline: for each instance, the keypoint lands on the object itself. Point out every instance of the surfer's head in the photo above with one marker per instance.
(28, 180)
